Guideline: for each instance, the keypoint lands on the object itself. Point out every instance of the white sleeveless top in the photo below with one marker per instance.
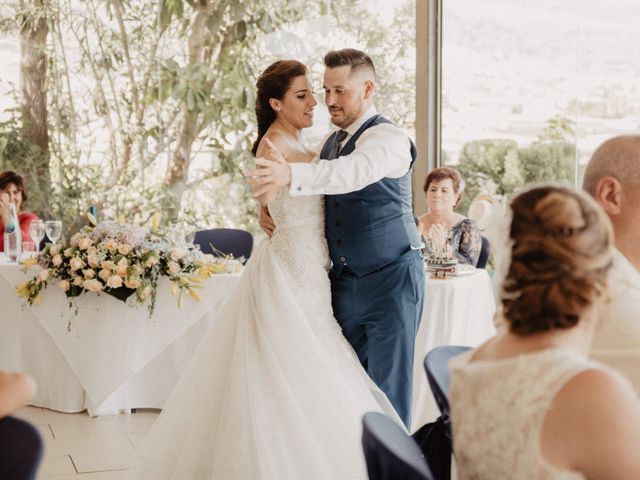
(497, 411)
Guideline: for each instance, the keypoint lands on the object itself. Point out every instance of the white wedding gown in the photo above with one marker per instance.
(273, 391)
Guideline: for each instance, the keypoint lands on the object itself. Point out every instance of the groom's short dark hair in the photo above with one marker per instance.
(349, 56)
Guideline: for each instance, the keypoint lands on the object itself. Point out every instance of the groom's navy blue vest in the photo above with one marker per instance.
(372, 227)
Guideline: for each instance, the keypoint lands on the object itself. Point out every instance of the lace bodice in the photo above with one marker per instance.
(300, 244)
(497, 411)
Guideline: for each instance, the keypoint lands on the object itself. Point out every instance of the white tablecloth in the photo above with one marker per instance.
(114, 357)
(457, 311)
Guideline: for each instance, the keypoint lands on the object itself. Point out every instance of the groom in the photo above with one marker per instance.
(377, 273)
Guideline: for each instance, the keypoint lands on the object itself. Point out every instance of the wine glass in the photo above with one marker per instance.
(36, 230)
(53, 229)
(189, 237)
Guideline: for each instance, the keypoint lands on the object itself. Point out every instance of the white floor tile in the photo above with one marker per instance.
(93, 443)
(136, 439)
(105, 460)
(136, 423)
(56, 465)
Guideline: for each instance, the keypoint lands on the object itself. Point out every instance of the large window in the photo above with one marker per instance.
(150, 104)
(531, 88)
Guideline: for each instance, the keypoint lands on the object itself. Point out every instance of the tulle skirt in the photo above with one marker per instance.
(273, 391)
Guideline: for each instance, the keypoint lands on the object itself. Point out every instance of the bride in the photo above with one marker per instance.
(274, 391)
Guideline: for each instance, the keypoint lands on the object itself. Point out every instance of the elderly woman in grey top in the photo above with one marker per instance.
(443, 189)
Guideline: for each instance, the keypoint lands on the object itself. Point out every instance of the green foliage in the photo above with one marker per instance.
(500, 166)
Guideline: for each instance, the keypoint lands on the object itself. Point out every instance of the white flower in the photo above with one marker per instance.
(146, 293)
(85, 243)
(75, 264)
(114, 281)
(77, 281)
(64, 285)
(177, 253)
(56, 260)
(124, 249)
(89, 273)
(132, 283)
(92, 285)
(43, 275)
(54, 250)
(174, 267)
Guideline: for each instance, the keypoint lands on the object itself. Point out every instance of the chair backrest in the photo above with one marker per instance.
(225, 241)
(391, 454)
(485, 250)
(436, 364)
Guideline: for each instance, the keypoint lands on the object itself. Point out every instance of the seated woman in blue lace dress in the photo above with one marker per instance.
(443, 189)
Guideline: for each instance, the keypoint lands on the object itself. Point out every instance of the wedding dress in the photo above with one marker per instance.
(273, 391)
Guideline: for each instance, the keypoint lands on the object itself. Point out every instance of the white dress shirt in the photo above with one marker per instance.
(381, 151)
(616, 340)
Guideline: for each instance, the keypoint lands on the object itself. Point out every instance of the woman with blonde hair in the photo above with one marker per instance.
(528, 403)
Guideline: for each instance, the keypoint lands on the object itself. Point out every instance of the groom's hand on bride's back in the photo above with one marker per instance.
(266, 222)
(272, 173)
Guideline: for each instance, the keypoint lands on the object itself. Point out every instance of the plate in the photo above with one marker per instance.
(463, 270)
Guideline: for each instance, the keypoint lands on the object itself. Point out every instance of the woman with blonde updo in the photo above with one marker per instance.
(528, 403)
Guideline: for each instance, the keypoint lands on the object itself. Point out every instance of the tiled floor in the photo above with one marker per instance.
(78, 447)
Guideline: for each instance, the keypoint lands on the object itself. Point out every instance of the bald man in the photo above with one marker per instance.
(613, 179)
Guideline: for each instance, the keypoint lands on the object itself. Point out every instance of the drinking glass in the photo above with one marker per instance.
(36, 230)
(53, 228)
(28, 249)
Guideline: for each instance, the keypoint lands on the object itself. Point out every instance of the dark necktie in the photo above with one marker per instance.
(339, 136)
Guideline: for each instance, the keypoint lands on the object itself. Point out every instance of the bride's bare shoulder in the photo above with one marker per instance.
(290, 148)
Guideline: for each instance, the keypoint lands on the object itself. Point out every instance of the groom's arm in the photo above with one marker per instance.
(382, 151)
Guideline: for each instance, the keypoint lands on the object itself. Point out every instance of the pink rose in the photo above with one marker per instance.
(124, 249)
(174, 267)
(89, 273)
(76, 264)
(92, 285)
(85, 243)
(115, 281)
(56, 260)
(43, 275)
(177, 253)
(64, 285)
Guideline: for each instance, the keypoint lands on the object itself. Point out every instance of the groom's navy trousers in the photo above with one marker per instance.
(377, 274)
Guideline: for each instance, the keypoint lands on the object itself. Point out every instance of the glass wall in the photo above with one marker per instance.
(531, 88)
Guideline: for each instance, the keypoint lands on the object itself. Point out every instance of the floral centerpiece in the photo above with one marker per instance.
(120, 260)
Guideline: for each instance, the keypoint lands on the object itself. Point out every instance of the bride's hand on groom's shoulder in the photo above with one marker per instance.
(272, 173)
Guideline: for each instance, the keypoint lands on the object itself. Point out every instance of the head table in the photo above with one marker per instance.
(114, 358)
(108, 357)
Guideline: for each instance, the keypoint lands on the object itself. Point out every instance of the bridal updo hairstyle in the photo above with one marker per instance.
(562, 245)
(273, 83)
